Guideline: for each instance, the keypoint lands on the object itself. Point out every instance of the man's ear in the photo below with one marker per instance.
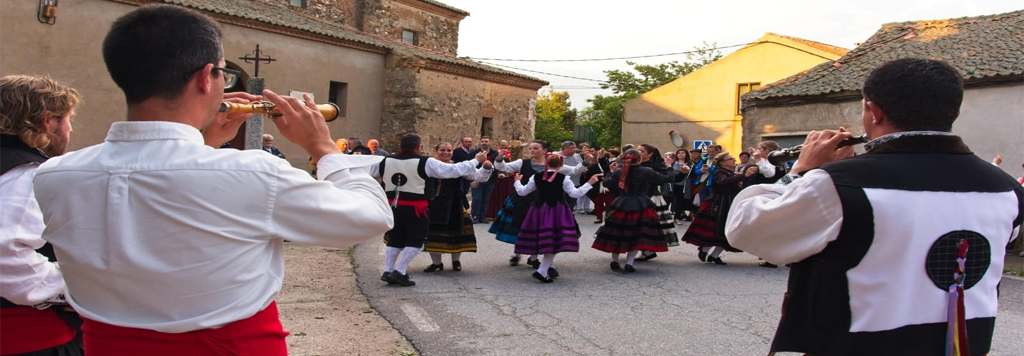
(878, 115)
(50, 123)
(203, 80)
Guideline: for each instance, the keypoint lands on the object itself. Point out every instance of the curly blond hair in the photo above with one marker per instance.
(27, 101)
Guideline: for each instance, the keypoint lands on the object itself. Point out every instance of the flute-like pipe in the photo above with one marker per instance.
(328, 110)
(790, 154)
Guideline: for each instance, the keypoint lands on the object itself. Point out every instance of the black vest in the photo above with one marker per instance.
(860, 277)
(550, 193)
(407, 172)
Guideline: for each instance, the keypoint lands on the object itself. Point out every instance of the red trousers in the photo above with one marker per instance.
(258, 335)
(26, 329)
(602, 201)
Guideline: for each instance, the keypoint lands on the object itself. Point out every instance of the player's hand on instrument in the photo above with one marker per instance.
(225, 125)
(595, 178)
(820, 148)
(303, 124)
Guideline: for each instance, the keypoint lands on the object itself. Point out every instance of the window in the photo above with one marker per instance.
(741, 89)
(297, 3)
(338, 95)
(410, 37)
(486, 127)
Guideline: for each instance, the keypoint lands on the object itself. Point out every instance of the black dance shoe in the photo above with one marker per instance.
(456, 266)
(402, 279)
(768, 265)
(552, 272)
(533, 263)
(541, 278)
(703, 256)
(514, 261)
(615, 266)
(717, 261)
(646, 258)
(628, 269)
(384, 277)
(433, 267)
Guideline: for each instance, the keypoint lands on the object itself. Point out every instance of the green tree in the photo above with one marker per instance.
(555, 117)
(605, 112)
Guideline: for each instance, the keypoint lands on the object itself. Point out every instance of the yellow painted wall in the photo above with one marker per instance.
(702, 105)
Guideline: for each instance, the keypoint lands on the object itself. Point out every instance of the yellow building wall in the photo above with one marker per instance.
(702, 105)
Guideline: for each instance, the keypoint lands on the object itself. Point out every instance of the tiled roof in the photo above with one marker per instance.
(982, 47)
(282, 16)
(446, 6)
(839, 51)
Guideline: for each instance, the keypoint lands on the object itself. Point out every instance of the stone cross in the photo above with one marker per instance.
(257, 58)
(255, 85)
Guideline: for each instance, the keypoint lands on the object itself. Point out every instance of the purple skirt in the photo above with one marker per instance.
(548, 229)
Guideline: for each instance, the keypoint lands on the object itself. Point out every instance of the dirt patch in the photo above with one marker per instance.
(324, 310)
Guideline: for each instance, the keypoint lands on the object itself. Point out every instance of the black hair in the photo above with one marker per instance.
(410, 142)
(744, 153)
(155, 50)
(916, 94)
(656, 156)
(543, 144)
(363, 150)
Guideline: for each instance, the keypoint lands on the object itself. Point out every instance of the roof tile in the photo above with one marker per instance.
(980, 47)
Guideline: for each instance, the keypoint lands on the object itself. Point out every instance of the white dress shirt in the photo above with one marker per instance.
(786, 223)
(567, 185)
(435, 168)
(27, 277)
(156, 230)
(764, 168)
(517, 166)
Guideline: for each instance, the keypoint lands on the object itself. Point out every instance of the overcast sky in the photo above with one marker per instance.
(580, 29)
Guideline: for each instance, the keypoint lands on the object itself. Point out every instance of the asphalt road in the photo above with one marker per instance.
(673, 305)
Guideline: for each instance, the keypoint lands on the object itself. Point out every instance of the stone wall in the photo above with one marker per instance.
(388, 18)
(442, 107)
(759, 121)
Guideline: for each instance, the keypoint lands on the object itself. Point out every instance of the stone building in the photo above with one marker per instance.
(390, 65)
(988, 51)
(704, 105)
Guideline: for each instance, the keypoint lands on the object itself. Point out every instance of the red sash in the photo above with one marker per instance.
(258, 335)
(26, 329)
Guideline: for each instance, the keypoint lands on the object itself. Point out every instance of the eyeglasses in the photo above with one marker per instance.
(230, 75)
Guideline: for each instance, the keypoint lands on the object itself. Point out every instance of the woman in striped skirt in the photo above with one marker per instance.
(510, 219)
(451, 228)
(651, 158)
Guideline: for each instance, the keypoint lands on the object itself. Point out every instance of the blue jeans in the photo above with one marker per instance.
(481, 196)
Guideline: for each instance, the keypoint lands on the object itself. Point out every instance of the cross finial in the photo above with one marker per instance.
(257, 58)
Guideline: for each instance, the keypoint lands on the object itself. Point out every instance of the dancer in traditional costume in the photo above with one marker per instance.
(632, 225)
(506, 227)
(549, 226)
(651, 158)
(502, 187)
(708, 228)
(451, 227)
(409, 187)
